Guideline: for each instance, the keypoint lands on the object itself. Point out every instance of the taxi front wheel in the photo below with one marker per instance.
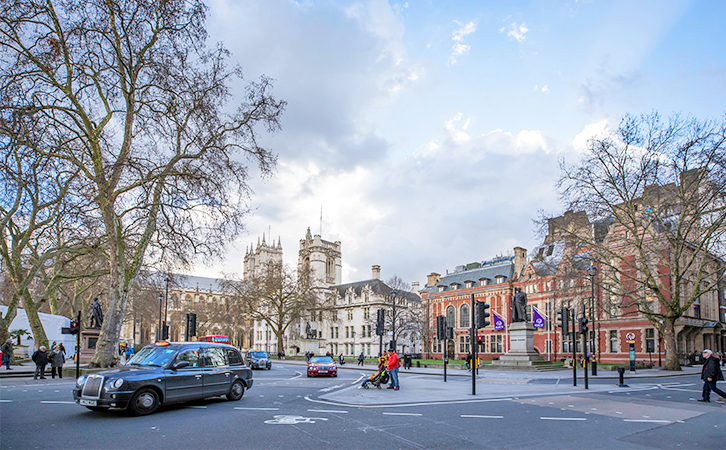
(236, 391)
(144, 402)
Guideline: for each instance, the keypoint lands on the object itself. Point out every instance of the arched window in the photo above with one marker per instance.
(464, 318)
(174, 301)
(450, 316)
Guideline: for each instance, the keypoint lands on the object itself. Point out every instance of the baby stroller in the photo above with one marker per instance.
(377, 379)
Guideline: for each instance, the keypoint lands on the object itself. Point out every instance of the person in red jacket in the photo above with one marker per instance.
(393, 369)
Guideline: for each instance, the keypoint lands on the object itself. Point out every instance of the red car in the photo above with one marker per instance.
(322, 365)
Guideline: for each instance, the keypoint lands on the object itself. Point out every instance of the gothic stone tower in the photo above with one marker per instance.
(258, 257)
(322, 257)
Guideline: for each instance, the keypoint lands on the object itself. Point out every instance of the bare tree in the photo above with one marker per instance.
(279, 297)
(145, 105)
(654, 195)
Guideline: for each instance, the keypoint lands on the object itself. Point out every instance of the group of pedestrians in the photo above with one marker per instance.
(56, 358)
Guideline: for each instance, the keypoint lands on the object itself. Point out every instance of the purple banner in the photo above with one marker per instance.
(538, 320)
(498, 322)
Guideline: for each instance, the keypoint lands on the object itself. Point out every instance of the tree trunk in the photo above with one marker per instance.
(8, 319)
(280, 344)
(669, 339)
(31, 311)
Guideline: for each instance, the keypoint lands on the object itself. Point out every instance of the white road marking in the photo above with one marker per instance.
(299, 374)
(57, 402)
(563, 418)
(328, 411)
(482, 417)
(258, 409)
(402, 414)
(358, 380)
(406, 405)
(6, 401)
(198, 407)
(647, 420)
(328, 389)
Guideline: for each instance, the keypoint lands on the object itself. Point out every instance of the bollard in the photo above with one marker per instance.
(621, 374)
(418, 363)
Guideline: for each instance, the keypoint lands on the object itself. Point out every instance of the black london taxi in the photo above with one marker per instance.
(165, 373)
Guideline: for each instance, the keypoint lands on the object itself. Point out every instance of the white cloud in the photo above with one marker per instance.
(545, 89)
(458, 36)
(579, 143)
(518, 32)
(458, 136)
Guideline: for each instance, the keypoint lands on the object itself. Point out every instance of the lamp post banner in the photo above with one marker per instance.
(498, 322)
(538, 320)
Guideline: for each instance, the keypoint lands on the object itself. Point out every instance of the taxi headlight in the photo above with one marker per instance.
(117, 383)
(81, 380)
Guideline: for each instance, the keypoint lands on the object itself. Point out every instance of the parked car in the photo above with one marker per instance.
(258, 360)
(322, 365)
(166, 373)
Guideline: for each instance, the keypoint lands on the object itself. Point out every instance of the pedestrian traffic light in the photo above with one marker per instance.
(441, 327)
(583, 325)
(482, 314)
(75, 327)
(449, 332)
(380, 322)
(563, 320)
(480, 340)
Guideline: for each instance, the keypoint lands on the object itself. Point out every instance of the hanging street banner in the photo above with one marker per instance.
(498, 321)
(538, 318)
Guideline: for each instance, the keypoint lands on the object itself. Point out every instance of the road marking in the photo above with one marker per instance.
(647, 420)
(328, 411)
(482, 417)
(198, 407)
(563, 418)
(405, 405)
(402, 414)
(258, 409)
(57, 402)
(6, 401)
(299, 374)
(359, 378)
(328, 389)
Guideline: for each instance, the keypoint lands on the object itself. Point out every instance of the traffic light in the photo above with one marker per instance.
(563, 320)
(482, 314)
(449, 332)
(75, 327)
(480, 340)
(380, 322)
(191, 324)
(440, 328)
(164, 332)
(583, 325)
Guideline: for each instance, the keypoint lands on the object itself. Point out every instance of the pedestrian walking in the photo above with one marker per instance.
(468, 361)
(63, 351)
(407, 361)
(7, 349)
(341, 359)
(710, 374)
(393, 369)
(361, 358)
(129, 353)
(56, 359)
(40, 358)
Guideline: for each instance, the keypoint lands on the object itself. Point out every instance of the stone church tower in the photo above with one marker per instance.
(323, 258)
(257, 258)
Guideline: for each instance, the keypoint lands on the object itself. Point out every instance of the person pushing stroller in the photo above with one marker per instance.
(380, 377)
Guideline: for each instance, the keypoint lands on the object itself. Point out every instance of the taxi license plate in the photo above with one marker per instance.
(88, 402)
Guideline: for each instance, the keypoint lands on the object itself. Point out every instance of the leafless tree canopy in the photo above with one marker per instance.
(135, 102)
(654, 197)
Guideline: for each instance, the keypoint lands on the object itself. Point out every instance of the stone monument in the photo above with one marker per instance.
(90, 335)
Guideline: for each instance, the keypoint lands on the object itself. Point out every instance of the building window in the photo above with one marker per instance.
(469, 284)
(366, 312)
(451, 316)
(613, 341)
(529, 313)
(650, 340)
(442, 288)
(347, 335)
(336, 333)
(368, 347)
(350, 314)
(495, 343)
(464, 318)
(369, 331)
(483, 281)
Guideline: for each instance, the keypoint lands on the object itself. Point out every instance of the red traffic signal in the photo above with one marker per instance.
(75, 327)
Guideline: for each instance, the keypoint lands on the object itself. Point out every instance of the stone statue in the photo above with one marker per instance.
(519, 306)
(96, 314)
(307, 330)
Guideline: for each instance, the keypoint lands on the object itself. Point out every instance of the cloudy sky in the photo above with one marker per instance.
(429, 132)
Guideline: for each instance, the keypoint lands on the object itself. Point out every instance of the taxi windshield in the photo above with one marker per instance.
(259, 354)
(153, 356)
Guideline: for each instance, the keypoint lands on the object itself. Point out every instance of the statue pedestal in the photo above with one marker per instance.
(89, 337)
(521, 354)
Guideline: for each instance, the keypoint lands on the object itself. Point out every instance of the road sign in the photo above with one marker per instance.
(630, 336)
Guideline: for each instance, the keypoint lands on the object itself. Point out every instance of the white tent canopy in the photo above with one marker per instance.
(52, 325)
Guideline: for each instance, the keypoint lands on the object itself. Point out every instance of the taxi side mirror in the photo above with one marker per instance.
(179, 365)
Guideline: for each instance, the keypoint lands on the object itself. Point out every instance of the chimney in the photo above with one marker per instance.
(520, 260)
(433, 278)
(415, 287)
(376, 272)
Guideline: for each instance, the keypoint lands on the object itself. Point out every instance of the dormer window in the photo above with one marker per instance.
(501, 279)
(442, 288)
(455, 286)
(469, 284)
(484, 281)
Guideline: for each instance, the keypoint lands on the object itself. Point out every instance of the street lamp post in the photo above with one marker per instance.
(158, 331)
(592, 271)
(166, 307)
(267, 336)
(393, 319)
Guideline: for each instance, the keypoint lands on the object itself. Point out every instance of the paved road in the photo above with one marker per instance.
(287, 410)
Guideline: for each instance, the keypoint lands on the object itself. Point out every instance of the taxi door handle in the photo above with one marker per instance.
(198, 376)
